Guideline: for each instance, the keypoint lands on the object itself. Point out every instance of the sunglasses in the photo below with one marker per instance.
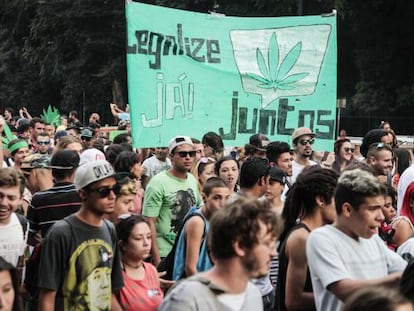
(40, 143)
(105, 191)
(304, 142)
(184, 154)
(347, 150)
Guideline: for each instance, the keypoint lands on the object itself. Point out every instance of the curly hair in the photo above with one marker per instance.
(275, 149)
(240, 221)
(301, 197)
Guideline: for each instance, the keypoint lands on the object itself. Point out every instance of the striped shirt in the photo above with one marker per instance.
(51, 205)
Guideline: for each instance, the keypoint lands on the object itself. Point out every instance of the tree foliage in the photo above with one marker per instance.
(71, 54)
(75, 51)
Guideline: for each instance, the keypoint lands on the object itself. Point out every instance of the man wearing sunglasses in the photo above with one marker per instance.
(302, 140)
(67, 275)
(169, 196)
(37, 126)
(43, 145)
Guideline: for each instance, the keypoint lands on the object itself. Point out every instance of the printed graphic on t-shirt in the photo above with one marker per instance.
(87, 284)
(184, 200)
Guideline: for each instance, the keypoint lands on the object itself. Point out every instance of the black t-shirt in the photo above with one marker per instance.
(281, 278)
(81, 262)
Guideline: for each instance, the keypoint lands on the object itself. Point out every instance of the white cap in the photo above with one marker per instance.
(179, 140)
(91, 155)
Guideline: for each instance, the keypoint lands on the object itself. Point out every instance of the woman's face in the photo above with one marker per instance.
(124, 204)
(139, 242)
(347, 151)
(388, 210)
(207, 173)
(274, 189)
(137, 170)
(6, 291)
(229, 172)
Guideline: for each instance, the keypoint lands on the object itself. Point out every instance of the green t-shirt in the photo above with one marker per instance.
(169, 198)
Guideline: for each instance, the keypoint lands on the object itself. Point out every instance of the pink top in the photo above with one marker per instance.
(145, 295)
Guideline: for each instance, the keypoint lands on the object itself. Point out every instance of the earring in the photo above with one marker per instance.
(321, 205)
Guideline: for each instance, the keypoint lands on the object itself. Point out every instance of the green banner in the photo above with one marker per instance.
(190, 73)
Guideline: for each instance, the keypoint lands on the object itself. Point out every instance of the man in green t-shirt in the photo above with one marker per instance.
(169, 195)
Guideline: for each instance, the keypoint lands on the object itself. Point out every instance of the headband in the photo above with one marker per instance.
(18, 145)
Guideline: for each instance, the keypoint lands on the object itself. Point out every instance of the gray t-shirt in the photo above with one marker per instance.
(199, 294)
(153, 166)
(81, 262)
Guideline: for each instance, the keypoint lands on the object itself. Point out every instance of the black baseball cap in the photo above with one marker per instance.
(277, 174)
(64, 160)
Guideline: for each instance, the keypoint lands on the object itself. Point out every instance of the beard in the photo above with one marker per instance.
(250, 263)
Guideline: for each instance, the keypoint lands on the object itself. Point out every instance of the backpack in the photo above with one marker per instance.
(24, 223)
(167, 264)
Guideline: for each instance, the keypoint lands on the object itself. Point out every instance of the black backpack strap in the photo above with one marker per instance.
(68, 221)
(25, 224)
(167, 264)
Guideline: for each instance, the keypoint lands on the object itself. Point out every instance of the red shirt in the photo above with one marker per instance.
(145, 295)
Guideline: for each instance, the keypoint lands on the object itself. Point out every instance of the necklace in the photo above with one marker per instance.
(132, 266)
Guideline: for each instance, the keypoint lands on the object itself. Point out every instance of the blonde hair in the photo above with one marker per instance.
(127, 187)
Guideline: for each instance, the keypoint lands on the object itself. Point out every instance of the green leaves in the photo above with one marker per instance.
(275, 76)
(51, 115)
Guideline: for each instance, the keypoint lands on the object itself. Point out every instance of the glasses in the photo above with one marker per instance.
(184, 154)
(105, 191)
(304, 142)
(40, 143)
(347, 150)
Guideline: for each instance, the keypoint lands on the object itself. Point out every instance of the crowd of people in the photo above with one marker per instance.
(92, 224)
